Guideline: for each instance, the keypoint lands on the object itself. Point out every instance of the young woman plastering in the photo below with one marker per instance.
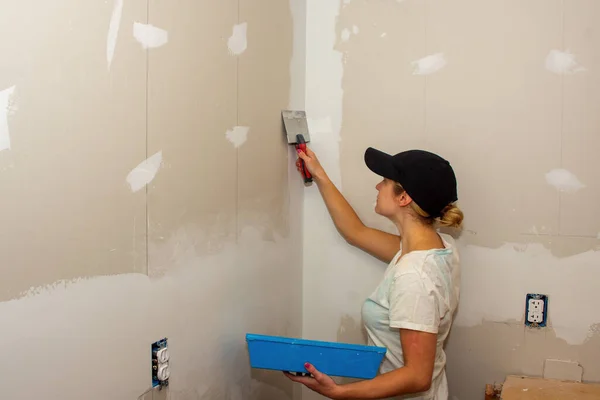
(411, 310)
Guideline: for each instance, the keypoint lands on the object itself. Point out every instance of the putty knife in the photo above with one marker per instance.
(296, 129)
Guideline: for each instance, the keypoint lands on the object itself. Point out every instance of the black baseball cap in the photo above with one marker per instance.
(427, 178)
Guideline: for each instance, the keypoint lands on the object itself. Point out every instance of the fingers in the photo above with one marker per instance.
(314, 372)
(305, 380)
(303, 155)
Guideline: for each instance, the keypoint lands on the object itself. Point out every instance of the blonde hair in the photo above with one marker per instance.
(451, 217)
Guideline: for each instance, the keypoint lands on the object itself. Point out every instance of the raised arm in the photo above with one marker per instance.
(380, 244)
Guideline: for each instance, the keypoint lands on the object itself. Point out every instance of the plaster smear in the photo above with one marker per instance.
(346, 34)
(430, 64)
(113, 31)
(564, 181)
(76, 323)
(150, 36)
(5, 110)
(238, 42)
(511, 271)
(324, 251)
(238, 135)
(145, 172)
(561, 62)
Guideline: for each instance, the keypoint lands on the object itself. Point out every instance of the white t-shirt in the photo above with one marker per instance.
(419, 291)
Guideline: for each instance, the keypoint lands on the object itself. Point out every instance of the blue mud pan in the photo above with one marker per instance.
(334, 359)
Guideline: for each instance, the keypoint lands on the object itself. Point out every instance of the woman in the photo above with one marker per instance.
(411, 311)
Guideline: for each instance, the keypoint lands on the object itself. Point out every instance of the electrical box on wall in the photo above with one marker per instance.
(536, 310)
(160, 363)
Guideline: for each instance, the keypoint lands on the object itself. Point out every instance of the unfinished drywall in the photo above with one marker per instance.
(129, 214)
(506, 92)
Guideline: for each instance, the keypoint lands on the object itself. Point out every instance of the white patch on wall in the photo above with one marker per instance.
(5, 111)
(383, 35)
(150, 36)
(430, 64)
(345, 34)
(238, 42)
(238, 135)
(320, 126)
(145, 172)
(563, 180)
(561, 62)
(538, 271)
(113, 31)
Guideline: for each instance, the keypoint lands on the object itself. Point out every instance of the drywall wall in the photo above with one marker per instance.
(146, 193)
(506, 92)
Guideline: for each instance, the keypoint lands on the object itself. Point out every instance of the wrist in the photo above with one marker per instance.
(341, 393)
(320, 177)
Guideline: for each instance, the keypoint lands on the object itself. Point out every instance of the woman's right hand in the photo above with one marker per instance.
(311, 162)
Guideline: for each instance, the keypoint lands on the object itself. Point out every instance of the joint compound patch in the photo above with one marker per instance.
(5, 111)
(113, 31)
(238, 135)
(150, 36)
(238, 43)
(145, 172)
(561, 63)
(355, 29)
(430, 64)
(563, 180)
(346, 34)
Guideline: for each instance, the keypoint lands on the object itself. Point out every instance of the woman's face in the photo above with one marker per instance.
(387, 204)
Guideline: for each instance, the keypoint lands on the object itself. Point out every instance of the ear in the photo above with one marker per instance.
(403, 199)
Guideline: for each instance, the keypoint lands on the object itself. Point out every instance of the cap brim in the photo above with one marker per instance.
(380, 163)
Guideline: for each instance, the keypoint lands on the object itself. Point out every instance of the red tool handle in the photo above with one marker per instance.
(301, 146)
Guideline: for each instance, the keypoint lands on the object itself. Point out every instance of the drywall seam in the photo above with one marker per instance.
(324, 94)
(5, 110)
(323, 247)
(113, 31)
(512, 270)
(298, 62)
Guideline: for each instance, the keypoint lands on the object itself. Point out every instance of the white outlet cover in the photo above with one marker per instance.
(162, 355)
(163, 372)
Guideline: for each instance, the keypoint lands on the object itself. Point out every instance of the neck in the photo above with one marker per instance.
(417, 236)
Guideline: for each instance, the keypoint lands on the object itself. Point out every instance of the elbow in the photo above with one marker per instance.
(348, 237)
(350, 240)
(423, 384)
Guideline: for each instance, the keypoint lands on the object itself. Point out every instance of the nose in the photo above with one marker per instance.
(378, 186)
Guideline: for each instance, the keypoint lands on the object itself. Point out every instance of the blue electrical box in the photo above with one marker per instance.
(334, 359)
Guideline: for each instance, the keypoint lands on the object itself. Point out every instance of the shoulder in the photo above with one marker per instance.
(429, 264)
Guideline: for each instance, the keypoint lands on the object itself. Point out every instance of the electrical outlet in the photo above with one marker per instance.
(160, 363)
(536, 310)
